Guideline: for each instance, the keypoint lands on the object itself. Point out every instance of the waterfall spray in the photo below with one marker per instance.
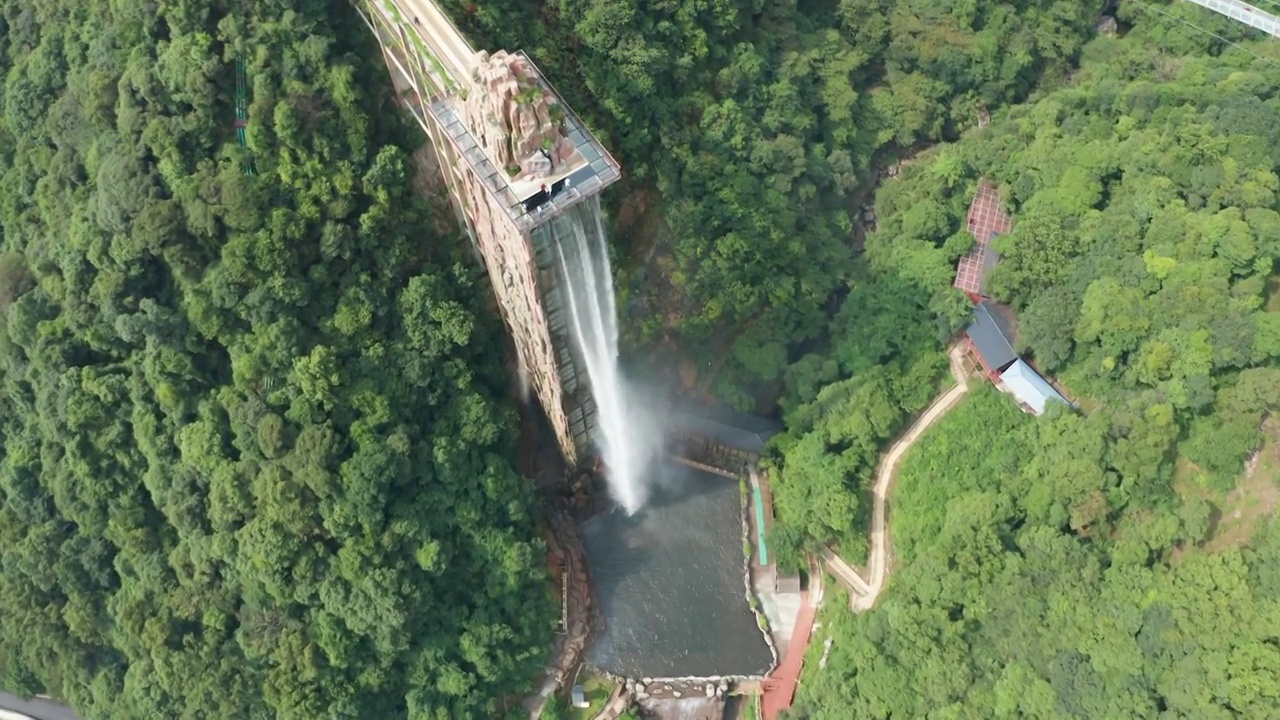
(624, 434)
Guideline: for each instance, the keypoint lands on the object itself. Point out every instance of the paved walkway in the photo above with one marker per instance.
(865, 591)
(443, 38)
(779, 688)
(844, 571)
(780, 609)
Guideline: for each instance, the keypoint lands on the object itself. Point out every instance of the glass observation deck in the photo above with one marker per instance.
(413, 48)
(589, 169)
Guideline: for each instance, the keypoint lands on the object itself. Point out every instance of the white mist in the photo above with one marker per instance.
(625, 435)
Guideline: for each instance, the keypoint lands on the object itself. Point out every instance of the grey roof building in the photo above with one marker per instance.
(991, 334)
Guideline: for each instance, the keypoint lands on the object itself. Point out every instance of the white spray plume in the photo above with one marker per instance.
(626, 435)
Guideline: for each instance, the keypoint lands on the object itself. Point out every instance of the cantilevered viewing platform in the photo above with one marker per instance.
(441, 68)
(531, 201)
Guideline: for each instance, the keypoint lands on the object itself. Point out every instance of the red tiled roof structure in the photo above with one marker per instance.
(986, 220)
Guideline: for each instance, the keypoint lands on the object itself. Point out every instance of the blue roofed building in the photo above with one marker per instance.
(1028, 388)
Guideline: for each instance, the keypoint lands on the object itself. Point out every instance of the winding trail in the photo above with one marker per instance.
(844, 571)
(865, 591)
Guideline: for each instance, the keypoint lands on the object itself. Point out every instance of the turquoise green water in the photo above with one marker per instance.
(764, 552)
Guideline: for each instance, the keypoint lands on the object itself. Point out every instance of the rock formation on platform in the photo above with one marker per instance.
(515, 118)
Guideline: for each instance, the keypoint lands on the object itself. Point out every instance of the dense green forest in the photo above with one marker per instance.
(256, 444)
(1146, 233)
(1001, 610)
(256, 440)
(1084, 564)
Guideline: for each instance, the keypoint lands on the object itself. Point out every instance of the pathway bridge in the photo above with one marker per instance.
(1250, 15)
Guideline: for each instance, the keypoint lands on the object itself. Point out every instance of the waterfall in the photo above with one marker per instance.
(624, 435)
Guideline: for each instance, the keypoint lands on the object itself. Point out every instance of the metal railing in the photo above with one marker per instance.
(1244, 13)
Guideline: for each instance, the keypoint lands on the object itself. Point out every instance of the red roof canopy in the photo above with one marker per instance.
(986, 220)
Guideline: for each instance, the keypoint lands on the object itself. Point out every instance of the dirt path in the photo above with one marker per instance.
(867, 591)
(878, 562)
(844, 571)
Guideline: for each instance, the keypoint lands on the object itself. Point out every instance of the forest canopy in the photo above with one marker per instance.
(1146, 233)
(1141, 268)
(256, 442)
(999, 610)
(1084, 564)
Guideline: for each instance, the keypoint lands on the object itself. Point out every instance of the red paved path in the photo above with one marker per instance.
(780, 686)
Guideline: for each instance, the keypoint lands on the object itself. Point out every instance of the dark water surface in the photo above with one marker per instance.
(670, 583)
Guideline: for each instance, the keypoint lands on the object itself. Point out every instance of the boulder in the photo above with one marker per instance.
(537, 165)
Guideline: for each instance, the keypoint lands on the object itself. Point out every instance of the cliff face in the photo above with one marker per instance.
(514, 118)
(508, 256)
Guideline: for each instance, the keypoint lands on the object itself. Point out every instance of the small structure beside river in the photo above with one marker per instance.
(722, 438)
